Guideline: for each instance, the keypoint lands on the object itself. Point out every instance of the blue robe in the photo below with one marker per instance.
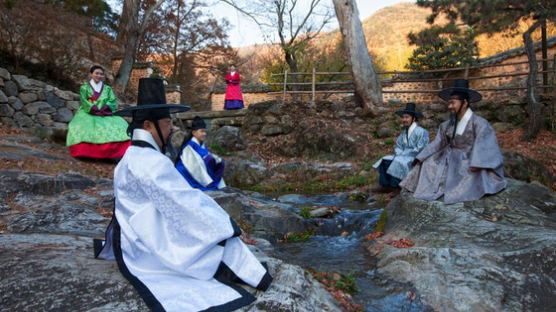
(201, 169)
(405, 153)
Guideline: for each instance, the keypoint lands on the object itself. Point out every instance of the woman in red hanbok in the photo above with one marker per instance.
(234, 98)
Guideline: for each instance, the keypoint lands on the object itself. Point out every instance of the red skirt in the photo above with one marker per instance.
(106, 150)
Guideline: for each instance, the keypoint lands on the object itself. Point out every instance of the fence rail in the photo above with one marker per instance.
(398, 79)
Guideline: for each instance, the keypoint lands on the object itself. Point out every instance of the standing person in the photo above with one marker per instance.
(234, 98)
(94, 131)
(201, 169)
(411, 141)
(175, 245)
(464, 162)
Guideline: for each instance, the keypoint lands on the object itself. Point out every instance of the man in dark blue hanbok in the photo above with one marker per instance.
(394, 168)
(200, 168)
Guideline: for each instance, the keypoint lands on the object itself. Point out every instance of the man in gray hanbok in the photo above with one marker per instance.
(464, 162)
(175, 245)
(393, 168)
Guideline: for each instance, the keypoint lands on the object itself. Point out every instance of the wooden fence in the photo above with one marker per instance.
(397, 78)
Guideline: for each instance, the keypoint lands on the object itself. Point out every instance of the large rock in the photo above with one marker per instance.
(52, 99)
(308, 170)
(44, 119)
(28, 97)
(4, 74)
(526, 169)
(15, 102)
(3, 97)
(6, 110)
(36, 107)
(73, 105)
(63, 115)
(494, 254)
(64, 95)
(242, 173)
(43, 272)
(23, 120)
(27, 84)
(265, 218)
(11, 88)
(228, 138)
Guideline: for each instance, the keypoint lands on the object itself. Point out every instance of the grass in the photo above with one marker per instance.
(381, 221)
(218, 150)
(305, 212)
(389, 141)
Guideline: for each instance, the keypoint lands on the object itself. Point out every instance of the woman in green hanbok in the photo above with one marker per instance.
(94, 131)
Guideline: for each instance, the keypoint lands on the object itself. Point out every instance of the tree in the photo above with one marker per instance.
(365, 79)
(490, 16)
(443, 47)
(132, 26)
(186, 43)
(293, 23)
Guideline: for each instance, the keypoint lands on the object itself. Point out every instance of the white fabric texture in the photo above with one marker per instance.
(463, 122)
(170, 234)
(144, 135)
(196, 166)
(96, 86)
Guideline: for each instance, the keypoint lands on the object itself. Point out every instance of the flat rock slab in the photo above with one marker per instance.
(41, 272)
(494, 254)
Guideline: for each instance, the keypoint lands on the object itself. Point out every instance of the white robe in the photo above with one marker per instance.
(173, 238)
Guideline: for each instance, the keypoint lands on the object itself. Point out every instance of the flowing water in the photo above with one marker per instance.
(338, 245)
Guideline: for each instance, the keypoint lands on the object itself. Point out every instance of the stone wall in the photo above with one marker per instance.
(35, 106)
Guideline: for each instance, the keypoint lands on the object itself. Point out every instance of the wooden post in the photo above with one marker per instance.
(313, 85)
(285, 86)
(544, 57)
(466, 73)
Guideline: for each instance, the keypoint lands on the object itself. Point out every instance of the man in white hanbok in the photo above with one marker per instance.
(176, 245)
(394, 168)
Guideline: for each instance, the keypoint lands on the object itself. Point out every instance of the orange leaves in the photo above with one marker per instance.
(400, 243)
(373, 235)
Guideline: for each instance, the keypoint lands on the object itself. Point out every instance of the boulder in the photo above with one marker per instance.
(494, 254)
(52, 99)
(36, 107)
(242, 173)
(26, 84)
(501, 126)
(526, 169)
(385, 132)
(23, 120)
(73, 105)
(44, 119)
(28, 97)
(227, 138)
(15, 102)
(4, 74)
(8, 121)
(308, 170)
(11, 88)
(42, 272)
(6, 110)
(63, 115)
(3, 97)
(64, 95)
(272, 130)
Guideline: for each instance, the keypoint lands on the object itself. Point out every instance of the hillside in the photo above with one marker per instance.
(386, 35)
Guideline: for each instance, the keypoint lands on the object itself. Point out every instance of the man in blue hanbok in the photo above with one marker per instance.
(411, 141)
(201, 169)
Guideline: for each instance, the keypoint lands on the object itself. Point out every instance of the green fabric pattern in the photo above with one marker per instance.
(88, 128)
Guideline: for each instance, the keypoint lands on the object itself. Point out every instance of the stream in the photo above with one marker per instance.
(328, 250)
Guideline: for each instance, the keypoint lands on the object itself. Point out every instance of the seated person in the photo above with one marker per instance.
(94, 131)
(411, 141)
(174, 244)
(464, 162)
(200, 168)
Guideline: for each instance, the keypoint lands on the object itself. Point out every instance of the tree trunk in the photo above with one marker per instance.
(533, 106)
(366, 82)
(131, 16)
(292, 64)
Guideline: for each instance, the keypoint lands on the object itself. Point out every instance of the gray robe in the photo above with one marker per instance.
(405, 152)
(444, 168)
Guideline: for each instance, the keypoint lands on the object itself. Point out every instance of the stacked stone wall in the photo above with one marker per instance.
(35, 106)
